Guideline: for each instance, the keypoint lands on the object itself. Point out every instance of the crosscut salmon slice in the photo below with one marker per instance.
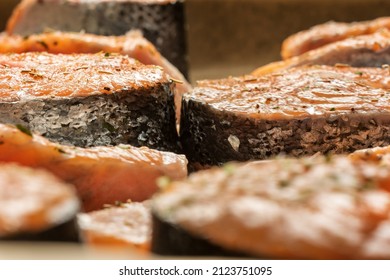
(299, 111)
(161, 21)
(35, 205)
(308, 208)
(362, 51)
(132, 44)
(101, 175)
(329, 32)
(89, 99)
(127, 224)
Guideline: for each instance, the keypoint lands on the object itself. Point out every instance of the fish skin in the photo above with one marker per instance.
(89, 99)
(298, 111)
(283, 208)
(132, 44)
(101, 175)
(161, 22)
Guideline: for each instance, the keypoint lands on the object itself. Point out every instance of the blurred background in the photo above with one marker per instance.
(233, 37)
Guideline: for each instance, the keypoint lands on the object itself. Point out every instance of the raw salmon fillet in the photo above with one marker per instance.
(328, 207)
(161, 21)
(101, 175)
(89, 99)
(35, 205)
(329, 32)
(362, 51)
(124, 225)
(298, 111)
(132, 44)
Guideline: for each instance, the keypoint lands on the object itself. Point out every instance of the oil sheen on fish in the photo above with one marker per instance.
(362, 51)
(161, 21)
(123, 224)
(310, 208)
(299, 111)
(36, 206)
(132, 44)
(329, 32)
(89, 99)
(101, 175)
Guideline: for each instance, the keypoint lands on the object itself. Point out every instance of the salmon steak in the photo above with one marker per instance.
(322, 34)
(123, 225)
(299, 111)
(161, 21)
(89, 99)
(35, 205)
(362, 51)
(327, 207)
(132, 44)
(101, 175)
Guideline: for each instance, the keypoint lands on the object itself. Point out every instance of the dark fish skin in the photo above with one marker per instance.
(285, 208)
(89, 99)
(166, 237)
(65, 232)
(296, 112)
(162, 22)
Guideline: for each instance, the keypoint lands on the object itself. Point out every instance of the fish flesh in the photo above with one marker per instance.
(132, 44)
(362, 51)
(101, 175)
(322, 34)
(161, 21)
(298, 111)
(123, 225)
(35, 205)
(283, 209)
(89, 99)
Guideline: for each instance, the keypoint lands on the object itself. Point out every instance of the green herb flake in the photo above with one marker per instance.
(123, 147)
(118, 203)
(107, 54)
(359, 73)
(109, 127)
(328, 157)
(332, 109)
(369, 184)
(305, 194)
(163, 182)
(176, 81)
(229, 168)
(24, 129)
